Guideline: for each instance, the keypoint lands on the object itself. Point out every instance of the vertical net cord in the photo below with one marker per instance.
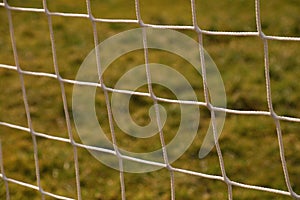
(154, 98)
(107, 101)
(3, 173)
(29, 129)
(26, 105)
(206, 96)
(269, 100)
(63, 95)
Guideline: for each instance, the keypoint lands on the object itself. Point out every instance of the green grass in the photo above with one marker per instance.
(248, 143)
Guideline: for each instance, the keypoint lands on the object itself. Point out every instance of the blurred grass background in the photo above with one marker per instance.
(249, 143)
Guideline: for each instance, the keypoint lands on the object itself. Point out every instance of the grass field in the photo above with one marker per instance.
(248, 142)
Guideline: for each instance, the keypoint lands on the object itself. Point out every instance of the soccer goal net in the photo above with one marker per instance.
(149, 99)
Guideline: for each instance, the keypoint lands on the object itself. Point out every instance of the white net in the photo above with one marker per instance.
(38, 182)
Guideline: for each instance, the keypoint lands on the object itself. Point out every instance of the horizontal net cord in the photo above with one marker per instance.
(167, 100)
(176, 27)
(194, 27)
(34, 187)
(158, 164)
